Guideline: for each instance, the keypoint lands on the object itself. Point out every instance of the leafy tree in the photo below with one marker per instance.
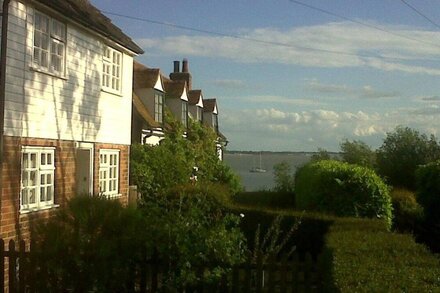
(358, 152)
(284, 179)
(402, 151)
(321, 155)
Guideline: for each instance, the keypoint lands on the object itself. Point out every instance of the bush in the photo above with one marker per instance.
(191, 228)
(284, 179)
(268, 199)
(407, 213)
(362, 256)
(91, 244)
(428, 195)
(342, 189)
(358, 152)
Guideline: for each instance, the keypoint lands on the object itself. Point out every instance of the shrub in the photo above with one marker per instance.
(407, 213)
(190, 228)
(268, 199)
(362, 256)
(91, 244)
(342, 189)
(284, 179)
(428, 195)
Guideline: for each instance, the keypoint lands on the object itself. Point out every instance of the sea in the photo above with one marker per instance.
(242, 162)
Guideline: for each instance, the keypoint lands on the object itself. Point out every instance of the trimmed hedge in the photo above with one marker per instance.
(265, 199)
(362, 256)
(407, 213)
(342, 189)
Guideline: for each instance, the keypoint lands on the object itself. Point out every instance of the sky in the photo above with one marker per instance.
(295, 77)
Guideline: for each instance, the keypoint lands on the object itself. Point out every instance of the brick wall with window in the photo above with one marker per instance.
(30, 193)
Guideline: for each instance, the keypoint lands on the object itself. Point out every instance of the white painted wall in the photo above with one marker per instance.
(70, 108)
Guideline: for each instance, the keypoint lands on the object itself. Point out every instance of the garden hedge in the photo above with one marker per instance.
(360, 255)
(342, 189)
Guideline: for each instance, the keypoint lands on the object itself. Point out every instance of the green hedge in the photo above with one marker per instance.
(342, 189)
(362, 256)
(265, 199)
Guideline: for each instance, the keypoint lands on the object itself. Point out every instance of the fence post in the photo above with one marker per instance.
(12, 266)
(32, 277)
(2, 266)
(22, 267)
(259, 279)
(248, 276)
(283, 274)
(154, 271)
(308, 274)
(295, 272)
(271, 273)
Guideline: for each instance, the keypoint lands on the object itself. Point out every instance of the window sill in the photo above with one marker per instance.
(113, 196)
(111, 91)
(44, 71)
(31, 210)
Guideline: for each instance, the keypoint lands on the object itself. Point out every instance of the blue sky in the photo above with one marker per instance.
(333, 78)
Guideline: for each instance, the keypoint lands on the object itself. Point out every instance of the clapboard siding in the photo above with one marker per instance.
(71, 107)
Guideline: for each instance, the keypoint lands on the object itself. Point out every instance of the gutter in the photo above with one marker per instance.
(3, 47)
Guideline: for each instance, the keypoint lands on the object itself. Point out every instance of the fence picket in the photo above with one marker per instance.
(254, 276)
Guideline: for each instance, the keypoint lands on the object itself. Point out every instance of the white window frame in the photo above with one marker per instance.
(199, 114)
(158, 107)
(184, 113)
(43, 169)
(49, 44)
(214, 121)
(111, 70)
(109, 172)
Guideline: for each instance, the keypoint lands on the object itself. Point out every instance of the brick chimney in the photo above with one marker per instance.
(184, 75)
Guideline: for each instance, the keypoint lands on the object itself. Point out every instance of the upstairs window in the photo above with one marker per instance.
(111, 70)
(158, 107)
(215, 121)
(199, 114)
(184, 114)
(37, 178)
(109, 172)
(49, 44)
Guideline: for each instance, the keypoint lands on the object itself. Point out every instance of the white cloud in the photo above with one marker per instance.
(229, 83)
(357, 42)
(275, 129)
(365, 92)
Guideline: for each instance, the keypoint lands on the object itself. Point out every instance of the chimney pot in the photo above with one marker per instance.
(176, 66)
(185, 65)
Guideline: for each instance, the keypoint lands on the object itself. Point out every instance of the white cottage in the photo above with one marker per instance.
(67, 100)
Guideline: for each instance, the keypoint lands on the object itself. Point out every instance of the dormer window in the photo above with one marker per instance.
(185, 113)
(111, 70)
(49, 44)
(158, 107)
(199, 114)
(215, 121)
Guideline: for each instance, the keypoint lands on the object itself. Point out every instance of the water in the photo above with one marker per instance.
(242, 162)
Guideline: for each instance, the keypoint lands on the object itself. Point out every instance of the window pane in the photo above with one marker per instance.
(32, 196)
(43, 159)
(32, 178)
(49, 159)
(33, 161)
(42, 179)
(24, 197)
(49, 193)
(42, 193)
(49, 178)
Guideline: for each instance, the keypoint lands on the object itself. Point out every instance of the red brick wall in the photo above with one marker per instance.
(14, 225)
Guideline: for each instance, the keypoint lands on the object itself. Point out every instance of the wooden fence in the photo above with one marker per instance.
(293, 275)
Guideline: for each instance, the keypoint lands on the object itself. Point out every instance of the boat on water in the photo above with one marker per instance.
(258, 169)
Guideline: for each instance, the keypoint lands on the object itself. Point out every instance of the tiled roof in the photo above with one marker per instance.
(174, 89)
(143, 111)
(88, 15)
(209, 105)
(144, 77)
(194, 96)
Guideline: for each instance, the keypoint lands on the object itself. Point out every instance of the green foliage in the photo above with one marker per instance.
(284, 179)
(268, 199)
(402, 152)
(91, 244)
(358, 152)
(156, 169)
(362, 256)
(274, 241)
(342, 189)
(428, 195)
(407, 213)
(190, 227)
(321, 155)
